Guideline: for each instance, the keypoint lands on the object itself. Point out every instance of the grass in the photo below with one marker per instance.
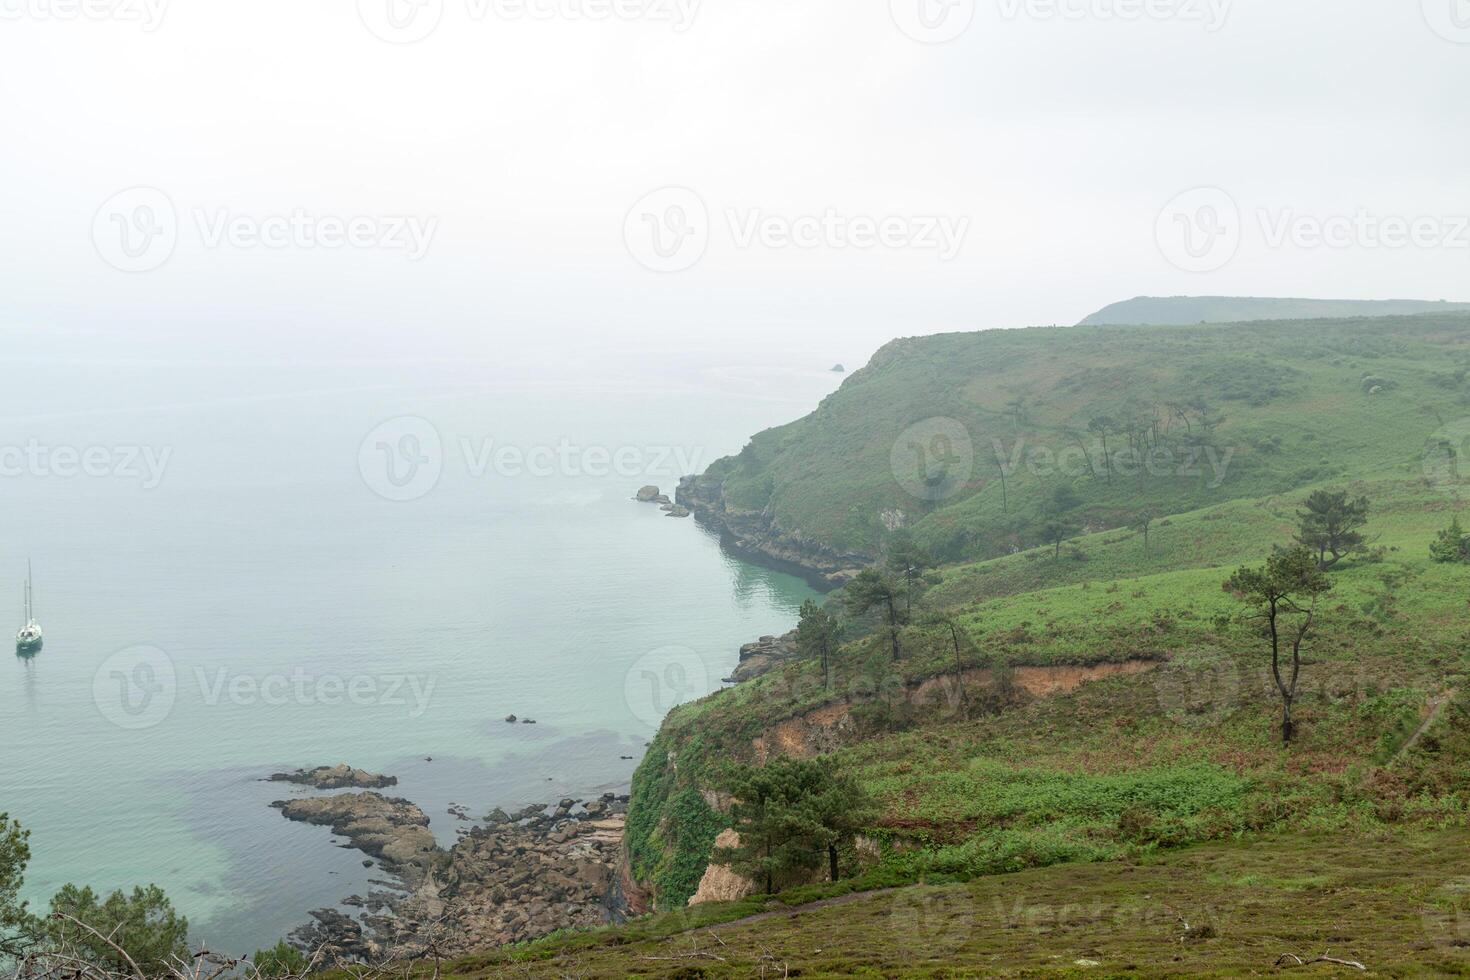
(1395, 901)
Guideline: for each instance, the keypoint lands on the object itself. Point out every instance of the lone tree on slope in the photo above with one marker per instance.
(873, 589)
(1330, 526)
(906, 557)
(817, 635)
(1285, 593)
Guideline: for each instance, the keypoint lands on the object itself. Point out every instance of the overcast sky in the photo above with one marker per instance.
(844, 171)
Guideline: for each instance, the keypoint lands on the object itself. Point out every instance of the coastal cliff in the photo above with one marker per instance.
(756, 536)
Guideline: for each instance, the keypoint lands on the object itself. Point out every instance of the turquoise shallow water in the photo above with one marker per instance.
(265, 606)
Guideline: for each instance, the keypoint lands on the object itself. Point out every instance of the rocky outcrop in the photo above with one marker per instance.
(757, 537)
(764, 655)
(653, 495)
(519, 878)
(720, 883)
(393, 830)
(335, 777)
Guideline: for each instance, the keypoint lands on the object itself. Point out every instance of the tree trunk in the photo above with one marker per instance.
(1286, 726)
(832, 859)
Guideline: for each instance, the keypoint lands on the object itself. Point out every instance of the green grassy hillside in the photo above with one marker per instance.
(1394, 902)
(1191, 416)
(1097, 740)
(1241, 309)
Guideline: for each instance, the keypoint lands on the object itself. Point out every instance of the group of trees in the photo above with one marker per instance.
(792, 817)
(889, 588)
(1284, 593)
(84, 934)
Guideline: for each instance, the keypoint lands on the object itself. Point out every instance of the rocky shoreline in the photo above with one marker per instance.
(755, 537)
(513, 878)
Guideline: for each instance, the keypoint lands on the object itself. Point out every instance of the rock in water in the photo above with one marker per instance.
(336, 777)
(648, 495)
(393, 830)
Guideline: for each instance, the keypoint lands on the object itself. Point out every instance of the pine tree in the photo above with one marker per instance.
(790, 815)
(1451, 545)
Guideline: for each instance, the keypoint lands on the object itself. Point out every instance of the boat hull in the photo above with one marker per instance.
(28, 644)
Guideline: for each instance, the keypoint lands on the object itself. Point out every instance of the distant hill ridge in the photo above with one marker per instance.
(1181, 310)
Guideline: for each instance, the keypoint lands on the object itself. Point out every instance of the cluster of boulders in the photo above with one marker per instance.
(336, 777)
(528, 874)
(393, 830)
(518, 877)
(652, 495)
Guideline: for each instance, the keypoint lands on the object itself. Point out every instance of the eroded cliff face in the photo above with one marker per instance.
(681, 772)
(756, 536)
(829, 728)
(720, 882)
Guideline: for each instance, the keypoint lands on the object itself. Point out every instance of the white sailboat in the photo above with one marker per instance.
(28, 638)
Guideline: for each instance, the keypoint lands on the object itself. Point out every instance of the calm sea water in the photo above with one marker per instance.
(267, 605)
